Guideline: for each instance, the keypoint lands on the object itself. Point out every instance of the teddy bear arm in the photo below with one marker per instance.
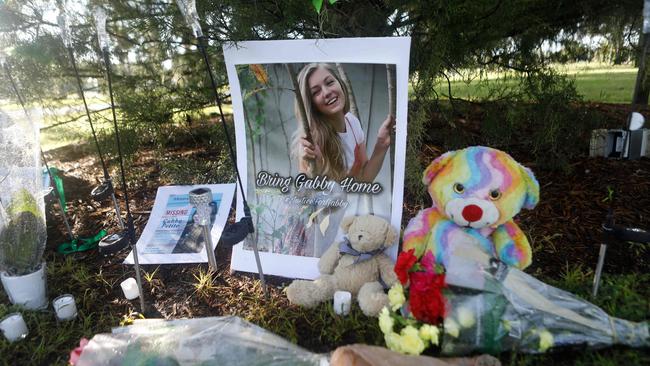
(329, 260)
(386, 270)
(512, 246)
(417, 230)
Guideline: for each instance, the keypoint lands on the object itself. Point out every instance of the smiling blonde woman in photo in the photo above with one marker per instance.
(337, 150)
(339, 145)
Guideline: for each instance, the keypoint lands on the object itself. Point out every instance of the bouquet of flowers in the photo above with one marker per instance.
(478, 304)
(412, 325)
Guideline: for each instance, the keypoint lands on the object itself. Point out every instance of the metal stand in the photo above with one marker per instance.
(201, 198)
(129, 217)
(613, 234)
(246, 222)
(599, 269)
(107, 184)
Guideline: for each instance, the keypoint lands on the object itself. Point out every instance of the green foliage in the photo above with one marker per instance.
(414, 167)
(540, 113)
(318, 4)
(158, 73)
(559, 128)
(22, 240)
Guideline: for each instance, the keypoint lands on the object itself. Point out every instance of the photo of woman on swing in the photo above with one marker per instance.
(317, 142)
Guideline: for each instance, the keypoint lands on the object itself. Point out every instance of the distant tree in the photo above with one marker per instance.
(157, 67)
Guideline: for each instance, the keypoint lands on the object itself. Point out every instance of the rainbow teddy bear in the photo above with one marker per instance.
(476, 192)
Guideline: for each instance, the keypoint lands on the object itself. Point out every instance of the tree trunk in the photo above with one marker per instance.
(366, 198)
(642, 86)
(392, 97)
(303, 113)
(259, 116)
(287, 141)
(392, 109)
(353, 101)
(252, 140)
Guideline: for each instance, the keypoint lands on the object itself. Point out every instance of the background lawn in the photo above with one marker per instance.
(595, 82)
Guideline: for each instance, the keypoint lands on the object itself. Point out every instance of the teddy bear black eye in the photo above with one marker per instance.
(459, 188)
(495, 195)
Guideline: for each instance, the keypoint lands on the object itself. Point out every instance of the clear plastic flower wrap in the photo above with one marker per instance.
(64, 25)
(494, 308)
(23, 232)
(100, 24)
(490, 307)
(188, 9)
(200, 341)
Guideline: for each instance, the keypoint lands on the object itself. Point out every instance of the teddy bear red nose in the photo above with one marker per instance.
(472, 213)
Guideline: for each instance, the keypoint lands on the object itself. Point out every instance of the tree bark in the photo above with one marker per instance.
(353, 101)
(392, 109)
(287, 141)
(642, 85)
(303, 113)
(392, 97)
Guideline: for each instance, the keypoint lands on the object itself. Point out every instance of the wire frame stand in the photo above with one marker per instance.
(106, 188)
(244, 227)
(102, 36)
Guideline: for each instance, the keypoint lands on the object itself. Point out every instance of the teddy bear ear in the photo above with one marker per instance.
(532, 188)
(434, 168)
(391, 235)
(347, 222)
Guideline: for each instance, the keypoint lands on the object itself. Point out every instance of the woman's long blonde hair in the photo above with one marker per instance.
(323, 133)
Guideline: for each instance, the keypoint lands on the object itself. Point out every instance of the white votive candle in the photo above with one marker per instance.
(130, 288)
(342, 302)
(65, 307)
(13, 327)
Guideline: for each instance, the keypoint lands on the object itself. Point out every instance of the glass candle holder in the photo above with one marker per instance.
(13, 327)
(65, 307)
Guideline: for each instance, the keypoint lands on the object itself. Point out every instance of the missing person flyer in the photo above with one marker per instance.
(172, 235)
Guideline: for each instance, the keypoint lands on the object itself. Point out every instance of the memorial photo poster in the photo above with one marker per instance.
(171, 235)
(321, 135)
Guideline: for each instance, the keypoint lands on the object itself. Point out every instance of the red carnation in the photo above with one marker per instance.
(405, 261)
(425, 296)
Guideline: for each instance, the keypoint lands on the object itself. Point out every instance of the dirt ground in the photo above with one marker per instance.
(565, 228)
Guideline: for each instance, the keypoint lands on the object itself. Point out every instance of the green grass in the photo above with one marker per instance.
(49, 342)
(595, 82)
(59, 129)
(101, 307)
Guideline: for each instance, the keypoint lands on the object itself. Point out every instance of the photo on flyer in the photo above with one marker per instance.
(319, 137)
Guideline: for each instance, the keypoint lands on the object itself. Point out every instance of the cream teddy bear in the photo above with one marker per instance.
(358, 265)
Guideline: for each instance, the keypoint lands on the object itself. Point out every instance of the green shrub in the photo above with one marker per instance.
(558, 125)
(542, 114)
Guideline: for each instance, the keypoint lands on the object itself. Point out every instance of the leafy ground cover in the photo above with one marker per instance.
(564, 231)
